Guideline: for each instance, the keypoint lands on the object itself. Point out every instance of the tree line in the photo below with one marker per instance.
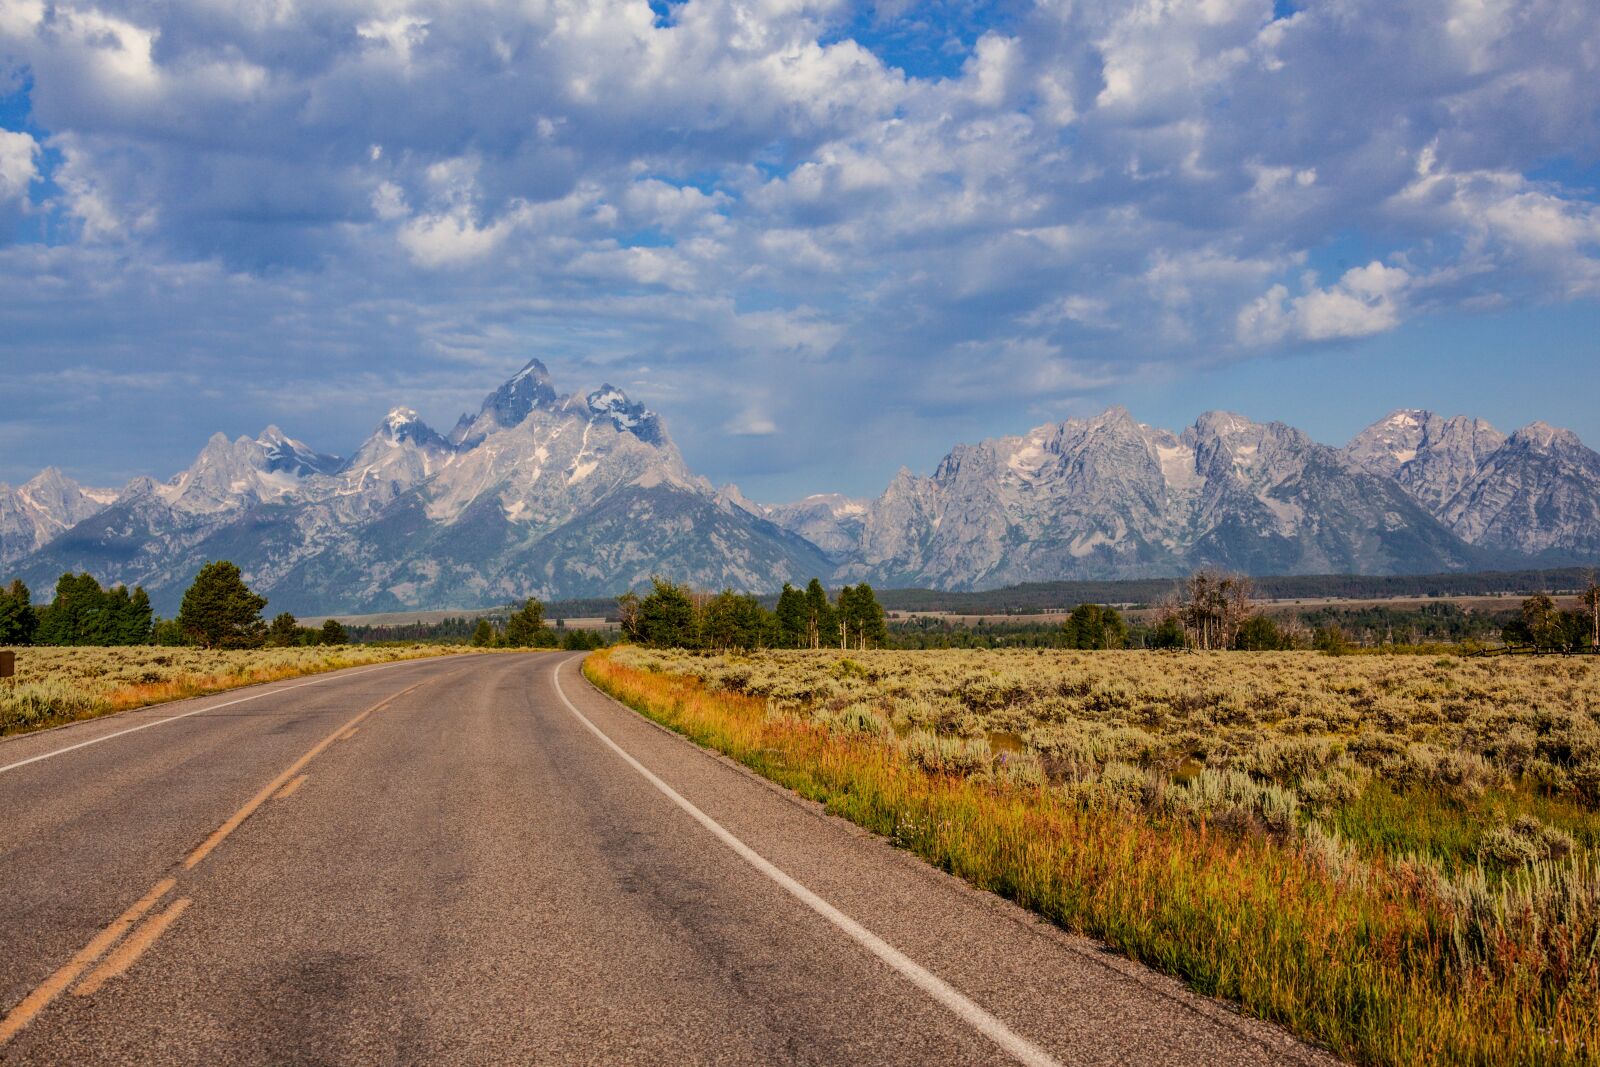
(1543, 625)
(525, 627)
(676, 616)
(218, 611)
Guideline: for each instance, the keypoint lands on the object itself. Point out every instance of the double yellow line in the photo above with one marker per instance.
(123, 953)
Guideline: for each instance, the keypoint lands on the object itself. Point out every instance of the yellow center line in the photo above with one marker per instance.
(348, 734)
(131, 949)
(289, 790)
(35, 1002)
(277, 783)
(51, 987)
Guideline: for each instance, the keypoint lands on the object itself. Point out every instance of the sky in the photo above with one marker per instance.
(824, 239)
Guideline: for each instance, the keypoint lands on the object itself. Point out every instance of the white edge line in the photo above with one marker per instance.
(1014, 1044)
(329, 676)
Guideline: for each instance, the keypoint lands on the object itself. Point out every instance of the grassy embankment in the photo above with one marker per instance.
(59, 685)
(1394, 858)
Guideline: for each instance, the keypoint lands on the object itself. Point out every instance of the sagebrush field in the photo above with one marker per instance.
(1394, 855)
(56, 685)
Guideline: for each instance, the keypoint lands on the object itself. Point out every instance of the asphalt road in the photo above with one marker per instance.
(484, 860)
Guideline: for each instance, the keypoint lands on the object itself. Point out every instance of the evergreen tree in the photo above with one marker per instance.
(138, 620)
(1169, 633)
(77, 614)
(791, 617)
(731, 620)
(284, 631)
(524, 628)
(483, 634)
(1259, 634)
(18, 621)
(819, 614)
(1538, 623)
(333, 633)
(666, 617)
(220, 611)
(861, 617)
(168, 633)
(1095, 626)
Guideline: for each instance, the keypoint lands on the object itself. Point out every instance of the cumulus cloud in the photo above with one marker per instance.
(738, 193)
(1366, 300)
(19, 154)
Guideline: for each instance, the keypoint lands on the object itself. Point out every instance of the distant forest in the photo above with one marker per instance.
(1034, 597)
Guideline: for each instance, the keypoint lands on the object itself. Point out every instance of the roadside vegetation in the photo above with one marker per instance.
(92, 651)
(59, 685)
(1397, 856)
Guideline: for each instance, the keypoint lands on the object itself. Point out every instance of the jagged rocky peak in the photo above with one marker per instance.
(404, 426)
(286, 455)
(1540, 436)
(508, 406)
(1392, 442)
(1224, 442)
(1433, 458)
(52, 491)
(1414, 436)
(37, 511)
(609, 402)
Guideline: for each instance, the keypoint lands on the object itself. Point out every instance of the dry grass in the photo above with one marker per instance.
(1394, 856)
(57, 685)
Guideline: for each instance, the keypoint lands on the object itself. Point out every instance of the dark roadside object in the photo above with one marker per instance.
(8, 664)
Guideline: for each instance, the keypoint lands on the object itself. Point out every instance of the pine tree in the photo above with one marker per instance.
(791, 617)
(1094, 626)
(333, 633)
(667, 617)
(138, 620)
(76, 615)
(819, 614)
(870, 625)
(220, 611)
(104, 625)
(483, 634)
(284, 631)
(18, 621)
(524, 628)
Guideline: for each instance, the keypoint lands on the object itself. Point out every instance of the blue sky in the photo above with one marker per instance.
(824, 239)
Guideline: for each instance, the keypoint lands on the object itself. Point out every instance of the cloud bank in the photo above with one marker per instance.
(807, 224)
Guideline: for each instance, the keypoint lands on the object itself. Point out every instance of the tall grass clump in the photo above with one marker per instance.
(1190, 821)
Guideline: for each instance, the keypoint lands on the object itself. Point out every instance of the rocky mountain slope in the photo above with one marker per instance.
(41, 509)
(1534, 495)
(1109, 497)
(534, 494)
(541, 493)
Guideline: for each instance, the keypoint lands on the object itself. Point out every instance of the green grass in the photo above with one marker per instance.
(1419, 820)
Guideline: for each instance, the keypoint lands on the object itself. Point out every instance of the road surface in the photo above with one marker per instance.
(484, 860)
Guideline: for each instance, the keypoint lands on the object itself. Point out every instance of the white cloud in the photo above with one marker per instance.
(19, 154)
(452, 238)
(1365, 301)
(747, 192)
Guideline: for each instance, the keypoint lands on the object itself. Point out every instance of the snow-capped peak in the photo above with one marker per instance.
(609, 402)
(284, 453)
(508, 406)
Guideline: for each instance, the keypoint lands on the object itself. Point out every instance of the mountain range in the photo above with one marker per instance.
(540, 493)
